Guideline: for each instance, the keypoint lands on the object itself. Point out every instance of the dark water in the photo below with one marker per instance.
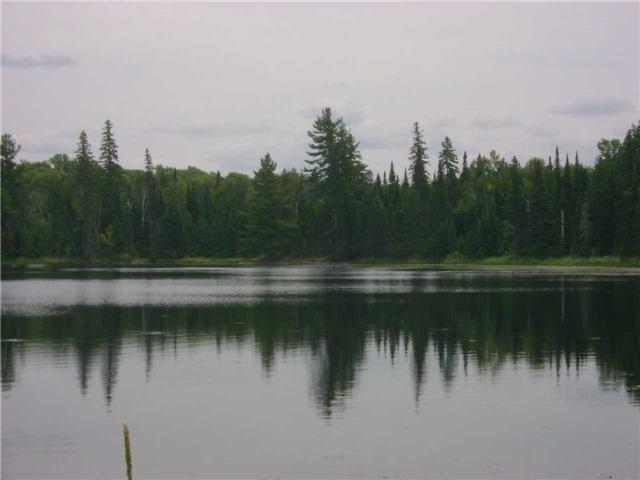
(319, 372)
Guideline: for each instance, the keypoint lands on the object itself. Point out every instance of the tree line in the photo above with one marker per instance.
(335, 207)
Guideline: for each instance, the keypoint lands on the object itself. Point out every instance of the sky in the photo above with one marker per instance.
(217, 86)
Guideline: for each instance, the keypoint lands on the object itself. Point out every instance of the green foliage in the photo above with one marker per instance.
(268, 233)
(418, 158)
(337, 175)
(88, 210)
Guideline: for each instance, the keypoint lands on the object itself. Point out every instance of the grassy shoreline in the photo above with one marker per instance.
(452, 261)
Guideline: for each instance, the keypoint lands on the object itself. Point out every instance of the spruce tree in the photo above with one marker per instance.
(148, 202)
(448, 168)
(338, 174)
(464, 173)
(111, 212)
(108, 148)
(418, 159)
(266, 229)
(87, 200)
(448, 159)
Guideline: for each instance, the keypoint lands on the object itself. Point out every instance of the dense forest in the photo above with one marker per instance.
(335, 207)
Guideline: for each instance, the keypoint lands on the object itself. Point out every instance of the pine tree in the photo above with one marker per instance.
(464, 173)
(111, 211)
(569, 207)
(418, 159)
(87, 205)
(337, 174)
(448, 168)
(108, 148)
(448, 159)
(148, 202)
(266, 228)
(394, 188)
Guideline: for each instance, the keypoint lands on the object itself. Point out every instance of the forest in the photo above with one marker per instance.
(90, 207)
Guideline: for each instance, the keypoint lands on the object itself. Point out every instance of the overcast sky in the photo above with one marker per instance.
(216, 86)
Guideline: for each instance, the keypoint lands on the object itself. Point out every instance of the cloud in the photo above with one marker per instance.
(349, 111)
(596, 107)
(442, 122)
(493, 123)
(216, 129)
(46, 143)
(335, 85)
(45, 60)
(542, 132)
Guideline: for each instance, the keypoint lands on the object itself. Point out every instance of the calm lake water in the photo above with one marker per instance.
(319, 372)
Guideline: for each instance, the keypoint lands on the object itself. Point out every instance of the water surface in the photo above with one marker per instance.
(319, 372)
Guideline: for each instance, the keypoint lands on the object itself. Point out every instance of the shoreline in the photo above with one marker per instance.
(504, 263)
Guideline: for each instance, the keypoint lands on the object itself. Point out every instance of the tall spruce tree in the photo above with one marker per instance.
(111, 212)
(338, 175)
(148, 201)
(418, 159)
(88, 197)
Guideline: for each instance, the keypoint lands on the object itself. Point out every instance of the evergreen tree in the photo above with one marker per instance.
(517, 212)
(627, 237)
(8, 153)
(418, 159)
(88, 199)
(111, 212)
(448, 159)
(603, 192)
(584, 247)
(464, 173)
(338, 175)
(377, 222)
(148, 202)
(540, 223)
(394, 188)
(266, 229)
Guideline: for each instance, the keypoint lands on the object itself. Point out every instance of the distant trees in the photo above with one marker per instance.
(8, 152)
(85, 207)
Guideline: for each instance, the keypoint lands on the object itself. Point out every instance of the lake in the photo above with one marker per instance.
(319, 371)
